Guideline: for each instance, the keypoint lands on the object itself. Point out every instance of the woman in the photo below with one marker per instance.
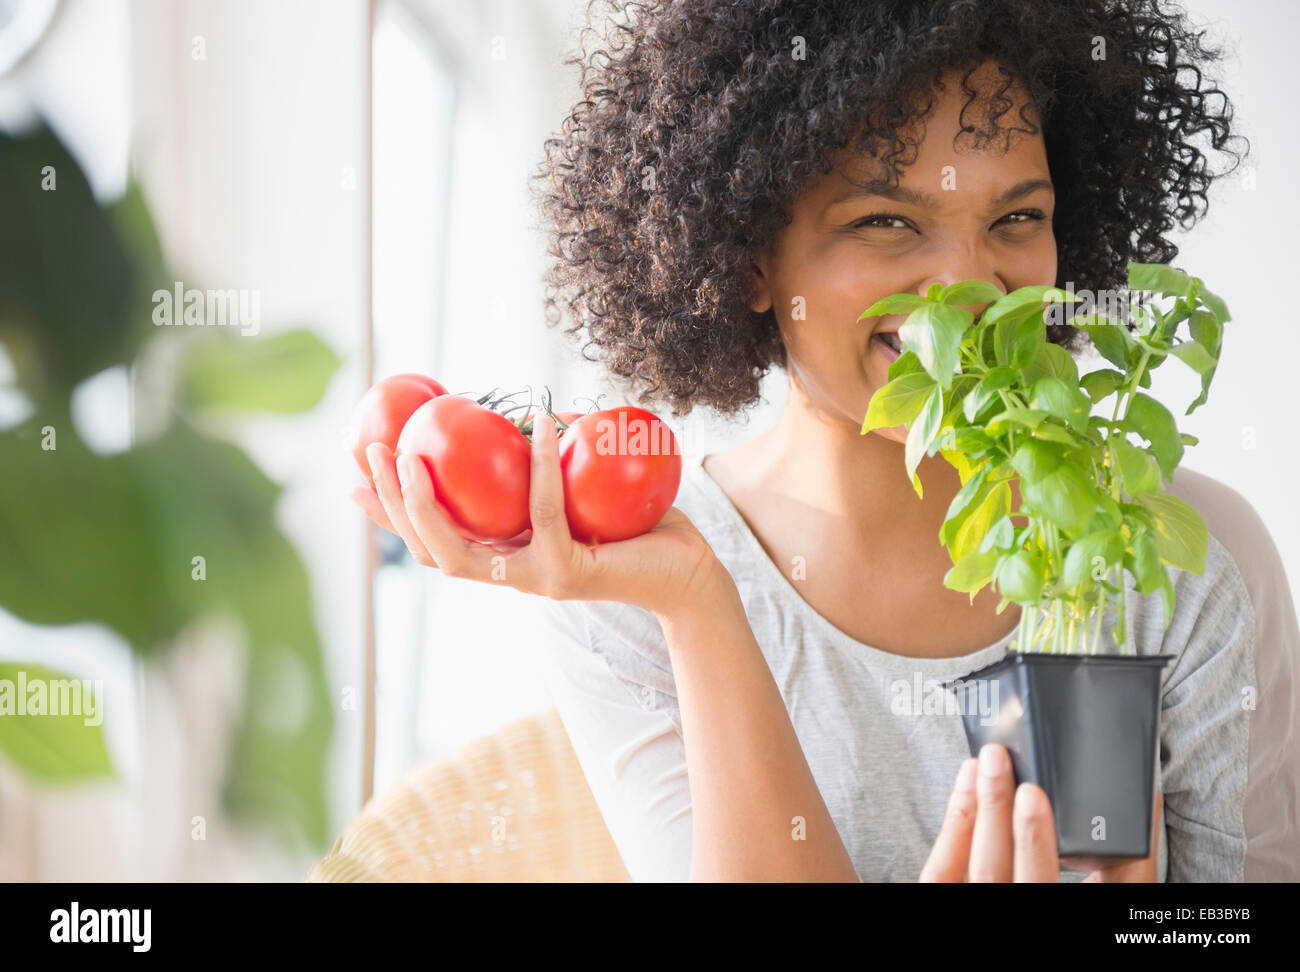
(739, 182)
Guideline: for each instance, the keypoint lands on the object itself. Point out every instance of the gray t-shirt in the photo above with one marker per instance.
(1230, 716)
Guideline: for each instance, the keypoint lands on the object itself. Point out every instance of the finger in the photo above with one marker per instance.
(383, 468)
(551, 548)
(1035, 836)
(951, 851)
(993, 844)
(364, 497)
(551, 539)
(457, 556)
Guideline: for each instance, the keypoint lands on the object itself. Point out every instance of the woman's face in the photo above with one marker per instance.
(961, 214)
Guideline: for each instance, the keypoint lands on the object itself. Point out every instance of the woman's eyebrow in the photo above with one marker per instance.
(887, 190)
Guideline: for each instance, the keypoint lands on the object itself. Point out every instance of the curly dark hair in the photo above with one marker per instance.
(709, 94)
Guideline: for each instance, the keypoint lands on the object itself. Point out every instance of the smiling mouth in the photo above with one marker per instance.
(889, 342)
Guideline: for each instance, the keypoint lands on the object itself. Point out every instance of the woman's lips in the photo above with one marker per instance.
(879, 341)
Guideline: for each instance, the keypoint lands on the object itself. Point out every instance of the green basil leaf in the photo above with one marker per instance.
(1213, 302)
(1056, 397)
(972, 442)
(935, 332)
(1159, 278)
(1144, 562)
(1019, 576)
(1001, 538)
(1194, 355)
(966, 293)
(978, 399)
(923, 431)
(965, 497)
(1000, 377)
(1111, 339)
(894, 304)
(1025, 300)
(1017, 339)
(899, 401)
(1054, 433)
(906, 363)
(1080, 557)
(971, 573)
(1138, 471)
(1029, 417)
(1036, 460)
(1054, 360)
(1156, 424)
(1181, 536)
(1066, 496)
(969, 534)
(1099, 384)
(1207, 332)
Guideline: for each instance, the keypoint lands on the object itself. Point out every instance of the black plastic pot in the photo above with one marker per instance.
(1086, 729)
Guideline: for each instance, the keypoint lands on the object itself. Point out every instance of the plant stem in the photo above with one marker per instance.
(1123, 649)
(1025, 639)
(1127, 399)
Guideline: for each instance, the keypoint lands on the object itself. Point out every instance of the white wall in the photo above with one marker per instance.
(1246, 251)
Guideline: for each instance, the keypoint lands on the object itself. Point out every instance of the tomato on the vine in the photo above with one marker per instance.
(621, 469)
(479, 462)
(383, 410)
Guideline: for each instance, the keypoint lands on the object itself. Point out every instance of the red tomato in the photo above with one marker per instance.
(479, 462)
(384, 409)
(621, 470)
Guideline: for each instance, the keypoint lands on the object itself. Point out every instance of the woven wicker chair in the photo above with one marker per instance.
(512, 806)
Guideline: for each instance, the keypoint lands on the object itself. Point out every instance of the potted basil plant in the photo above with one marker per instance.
(1078, 709)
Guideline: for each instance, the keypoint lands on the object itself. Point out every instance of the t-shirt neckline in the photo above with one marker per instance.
(789, 593)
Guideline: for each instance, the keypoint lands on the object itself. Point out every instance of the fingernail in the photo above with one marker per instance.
(993, 760)
(404, 468)
(966, 775)
(370, 458)
(1029, 800)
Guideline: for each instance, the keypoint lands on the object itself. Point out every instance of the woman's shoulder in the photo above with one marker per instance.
(1244, 573)
(1239, 537)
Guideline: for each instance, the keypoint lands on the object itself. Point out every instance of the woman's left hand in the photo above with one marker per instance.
(994, 831)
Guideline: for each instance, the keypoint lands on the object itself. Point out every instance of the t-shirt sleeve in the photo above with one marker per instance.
(1225, 752)
(617, 706)
(1232, 702)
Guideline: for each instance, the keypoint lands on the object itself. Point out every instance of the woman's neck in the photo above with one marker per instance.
(826, 462)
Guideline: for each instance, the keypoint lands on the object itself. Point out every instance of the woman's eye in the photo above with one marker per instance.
(881, 220)
(1029, 214)
(878, 219)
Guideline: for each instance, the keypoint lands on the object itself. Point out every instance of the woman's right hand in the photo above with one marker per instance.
(659, 571)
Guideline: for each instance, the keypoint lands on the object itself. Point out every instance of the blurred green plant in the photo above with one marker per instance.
(113, 538)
